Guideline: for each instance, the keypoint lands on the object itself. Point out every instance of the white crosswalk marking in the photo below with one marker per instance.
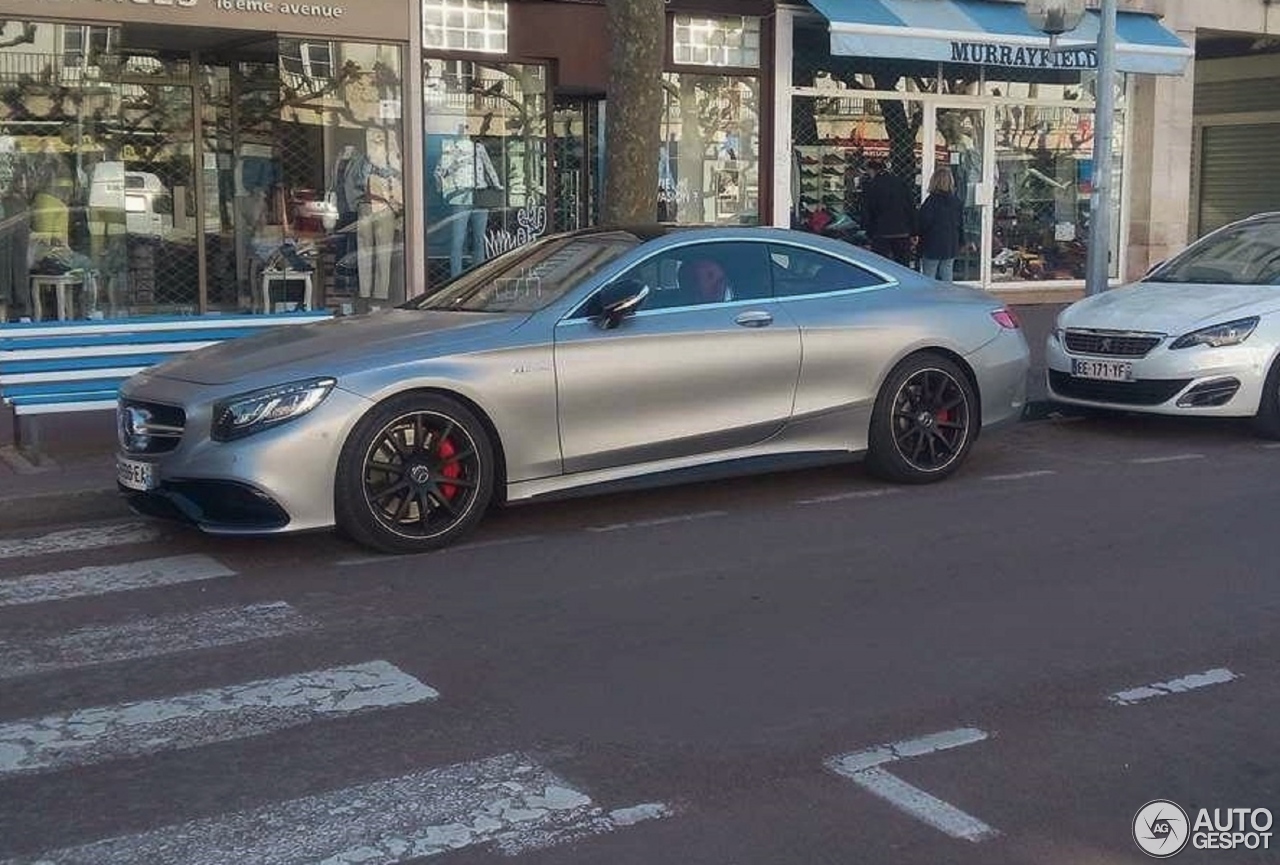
(77, 540)
(148, 638)
(508, 801)
(86, 736)
(104, 579)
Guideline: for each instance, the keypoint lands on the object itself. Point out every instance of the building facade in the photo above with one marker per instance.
(969, 86)
(210, 156)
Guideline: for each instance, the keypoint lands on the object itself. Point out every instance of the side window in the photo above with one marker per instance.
(799, 271)
(704, 273)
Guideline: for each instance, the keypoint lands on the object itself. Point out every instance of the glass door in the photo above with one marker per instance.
(959, 135)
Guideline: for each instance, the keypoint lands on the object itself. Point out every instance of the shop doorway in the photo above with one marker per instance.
(576, 161)
(959, 134)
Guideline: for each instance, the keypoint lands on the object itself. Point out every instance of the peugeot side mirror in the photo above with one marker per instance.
(618, 300)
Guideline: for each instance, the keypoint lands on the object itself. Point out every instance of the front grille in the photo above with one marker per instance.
(1145, 392)
(149, 427)
(1108, 344)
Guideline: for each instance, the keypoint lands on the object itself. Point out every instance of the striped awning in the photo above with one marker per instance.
(995, 34)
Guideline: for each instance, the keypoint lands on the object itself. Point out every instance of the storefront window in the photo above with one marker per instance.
(709, 159)
(719, 41)
(487, 161)
(117, 194)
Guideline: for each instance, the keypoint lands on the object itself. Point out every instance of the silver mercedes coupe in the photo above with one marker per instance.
(574, 363)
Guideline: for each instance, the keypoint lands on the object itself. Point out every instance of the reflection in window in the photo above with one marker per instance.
(486, 146)
(801, 271)
(719, 41)
(708, 160)
(465, 25)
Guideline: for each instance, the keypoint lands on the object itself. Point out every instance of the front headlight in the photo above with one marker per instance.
(257, 410)
(1227, 333)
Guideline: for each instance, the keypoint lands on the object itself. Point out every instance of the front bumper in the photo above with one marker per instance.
(278, 480)
(1200, 381)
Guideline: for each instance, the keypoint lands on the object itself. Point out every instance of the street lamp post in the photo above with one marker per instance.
(1098, 270)
(1056, 17)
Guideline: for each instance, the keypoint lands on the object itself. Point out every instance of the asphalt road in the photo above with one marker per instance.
(701, 674)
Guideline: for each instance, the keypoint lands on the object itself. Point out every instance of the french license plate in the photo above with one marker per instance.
(136, 474)
(1103, 370)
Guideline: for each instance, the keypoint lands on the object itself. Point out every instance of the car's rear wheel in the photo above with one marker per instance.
(1267, 421)
(924, 421)
(415, 475)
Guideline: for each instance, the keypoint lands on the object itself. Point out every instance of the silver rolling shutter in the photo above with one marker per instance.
(1239, 173)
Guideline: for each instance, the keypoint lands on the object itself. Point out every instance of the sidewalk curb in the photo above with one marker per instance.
(47, 509)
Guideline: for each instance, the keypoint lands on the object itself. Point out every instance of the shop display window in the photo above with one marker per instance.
(709, 157)
(487, 161)
(138, 183)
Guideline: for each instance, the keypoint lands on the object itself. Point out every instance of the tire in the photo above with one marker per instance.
(1266, 422)
(924, 421)
(416, 474)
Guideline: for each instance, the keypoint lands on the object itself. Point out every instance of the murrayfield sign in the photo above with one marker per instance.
(1022, 56)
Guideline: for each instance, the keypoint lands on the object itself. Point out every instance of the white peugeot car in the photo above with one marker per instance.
(1199, 335)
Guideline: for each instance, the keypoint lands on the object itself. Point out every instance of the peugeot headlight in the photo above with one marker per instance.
(257, 410)
(1227, 333)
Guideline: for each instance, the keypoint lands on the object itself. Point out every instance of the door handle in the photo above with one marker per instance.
(754, 318)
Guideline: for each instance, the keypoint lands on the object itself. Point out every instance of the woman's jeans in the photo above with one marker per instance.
(939, 268)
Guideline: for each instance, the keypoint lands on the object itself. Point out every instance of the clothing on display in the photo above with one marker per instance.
(381, 201)
(465, 169)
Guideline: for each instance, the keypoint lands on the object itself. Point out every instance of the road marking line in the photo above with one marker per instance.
(1219, 676)
(1176, 458)
(150, 637)
(508, 801)
(76, 540)
(85, 736)
(1020, 476)
(661, 521)
(477, 545)
(107, 579)
(1270, 446)
(841, 497)
(864, 769)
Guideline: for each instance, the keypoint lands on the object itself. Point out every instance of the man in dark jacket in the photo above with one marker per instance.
(888, 214)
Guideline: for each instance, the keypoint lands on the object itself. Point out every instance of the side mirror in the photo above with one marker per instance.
(618, 300)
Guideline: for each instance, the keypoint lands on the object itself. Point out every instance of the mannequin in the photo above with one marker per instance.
(381, 201)
(465, 168)
(257, 176)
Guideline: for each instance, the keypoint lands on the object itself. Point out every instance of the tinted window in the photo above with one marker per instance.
(803, 271)
(703, 273)
(530, 277)
(1247, 254)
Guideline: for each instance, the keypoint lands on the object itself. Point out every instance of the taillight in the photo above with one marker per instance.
(1006, 318)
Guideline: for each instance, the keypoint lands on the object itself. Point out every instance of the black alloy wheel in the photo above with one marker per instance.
(416, 473)
(923, 424)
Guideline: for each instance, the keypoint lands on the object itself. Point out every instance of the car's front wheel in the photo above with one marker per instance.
(416, 473)
(1267, 421)
(924, 421)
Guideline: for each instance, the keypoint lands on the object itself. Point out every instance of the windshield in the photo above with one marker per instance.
(530, 277)
(1246, 254)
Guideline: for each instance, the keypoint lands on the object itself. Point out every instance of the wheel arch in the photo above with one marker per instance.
(490, 428)
(956, 358)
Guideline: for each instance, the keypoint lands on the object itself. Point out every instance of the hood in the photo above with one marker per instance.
(336, 346)
(1170, 308)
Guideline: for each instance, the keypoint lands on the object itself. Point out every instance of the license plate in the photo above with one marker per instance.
(1103, 370)
(135, 474)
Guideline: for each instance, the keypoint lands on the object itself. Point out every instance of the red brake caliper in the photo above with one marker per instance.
(451, 469)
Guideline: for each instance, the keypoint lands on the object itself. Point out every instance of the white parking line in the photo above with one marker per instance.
(508, 801)
(1219, 676)
(150, 637)
(661, 521)
(1175, 458)
(86, 736)
(864, 769)
(105, 579)
(1020, 476)
(1270, 446)
(75, 540)
(843, 497)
